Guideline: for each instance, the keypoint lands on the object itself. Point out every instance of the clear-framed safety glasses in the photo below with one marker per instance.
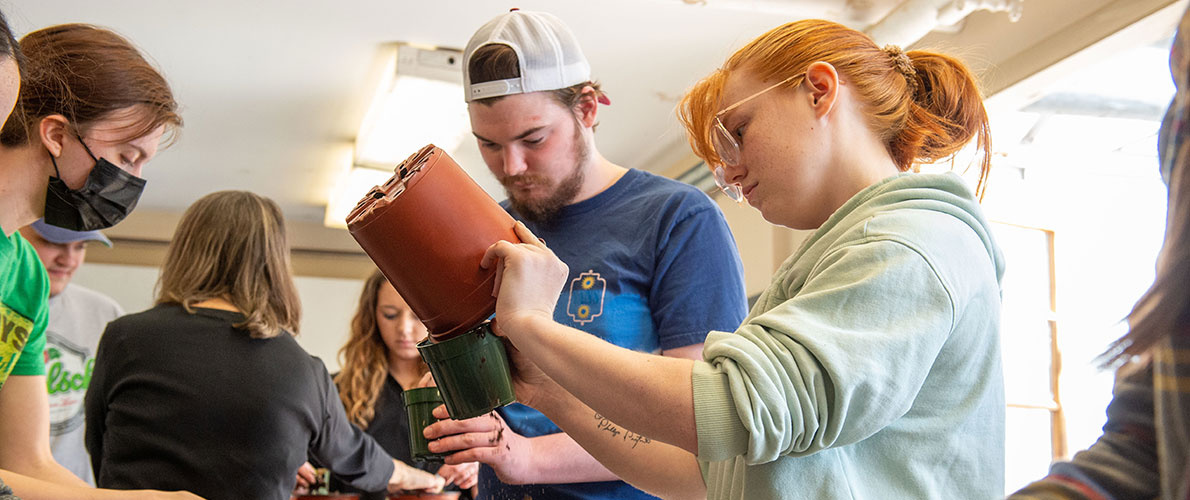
(728, 148)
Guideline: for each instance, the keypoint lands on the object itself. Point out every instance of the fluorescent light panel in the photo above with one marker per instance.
(417, 111)
(419, 101)
(348, 191)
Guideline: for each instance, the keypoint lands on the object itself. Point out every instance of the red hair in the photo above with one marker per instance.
(925, 106)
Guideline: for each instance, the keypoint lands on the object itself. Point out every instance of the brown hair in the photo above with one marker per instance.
(496, 61)
(8, 43)
(86, 73)
(1164, 310)
(925, 108)
(232, 245)
(364, 358)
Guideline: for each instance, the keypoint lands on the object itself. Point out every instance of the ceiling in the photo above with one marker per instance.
(273, 91)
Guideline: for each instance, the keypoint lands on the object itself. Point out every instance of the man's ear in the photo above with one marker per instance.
(53, 131)
(587, 107)
(823, 80)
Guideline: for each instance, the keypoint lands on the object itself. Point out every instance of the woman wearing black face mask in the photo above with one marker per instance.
(89, 114)
(107, 197)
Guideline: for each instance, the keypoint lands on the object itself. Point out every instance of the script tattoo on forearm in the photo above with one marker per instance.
(625, 434)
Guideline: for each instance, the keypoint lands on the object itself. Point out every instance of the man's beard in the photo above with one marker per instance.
(546, 209)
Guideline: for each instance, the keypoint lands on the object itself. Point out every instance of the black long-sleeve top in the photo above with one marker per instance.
(390, 428)
(183, 401)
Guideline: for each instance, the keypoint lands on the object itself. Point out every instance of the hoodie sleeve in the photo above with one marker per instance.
(838, 361)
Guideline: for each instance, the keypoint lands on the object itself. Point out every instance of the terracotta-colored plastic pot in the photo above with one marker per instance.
(427, 228)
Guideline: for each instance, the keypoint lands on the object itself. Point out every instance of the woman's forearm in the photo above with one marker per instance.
(30, 488)
(650, 395)
(653, 466)
(50, 470)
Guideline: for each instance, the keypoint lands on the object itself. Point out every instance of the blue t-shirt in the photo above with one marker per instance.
(653, 266)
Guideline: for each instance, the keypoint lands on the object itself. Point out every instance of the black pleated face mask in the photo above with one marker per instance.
(107, 197)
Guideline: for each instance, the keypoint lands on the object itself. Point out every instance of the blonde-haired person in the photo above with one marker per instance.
(379, 361)
(870, 367)
(208, 391)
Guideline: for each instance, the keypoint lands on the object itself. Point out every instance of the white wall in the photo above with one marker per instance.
(327, 303)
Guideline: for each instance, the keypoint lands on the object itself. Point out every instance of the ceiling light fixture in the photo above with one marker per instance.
(418, 101)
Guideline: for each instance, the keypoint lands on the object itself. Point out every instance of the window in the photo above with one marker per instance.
(1081, 211)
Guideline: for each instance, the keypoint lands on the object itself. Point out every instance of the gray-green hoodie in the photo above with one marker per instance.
(870, 367)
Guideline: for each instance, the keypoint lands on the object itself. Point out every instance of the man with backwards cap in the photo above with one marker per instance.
(77, 319)
(653, 265)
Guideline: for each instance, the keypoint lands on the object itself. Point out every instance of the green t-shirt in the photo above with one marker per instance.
(24, 290)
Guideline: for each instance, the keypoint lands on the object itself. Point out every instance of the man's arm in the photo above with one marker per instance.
(591, 448)
(549, 459)
(24, 431)
(558, 459)
(693, 352)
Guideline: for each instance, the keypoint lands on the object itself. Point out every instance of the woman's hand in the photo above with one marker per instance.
(529, 278)
(408, 478)
(306, 477)
(464, 475)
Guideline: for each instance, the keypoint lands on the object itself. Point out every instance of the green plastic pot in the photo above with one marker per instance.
(471, 371)
(420, 404)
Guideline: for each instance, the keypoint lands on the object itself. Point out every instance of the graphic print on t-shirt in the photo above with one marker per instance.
(14, 332)
(586, 297)
(68, 374)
